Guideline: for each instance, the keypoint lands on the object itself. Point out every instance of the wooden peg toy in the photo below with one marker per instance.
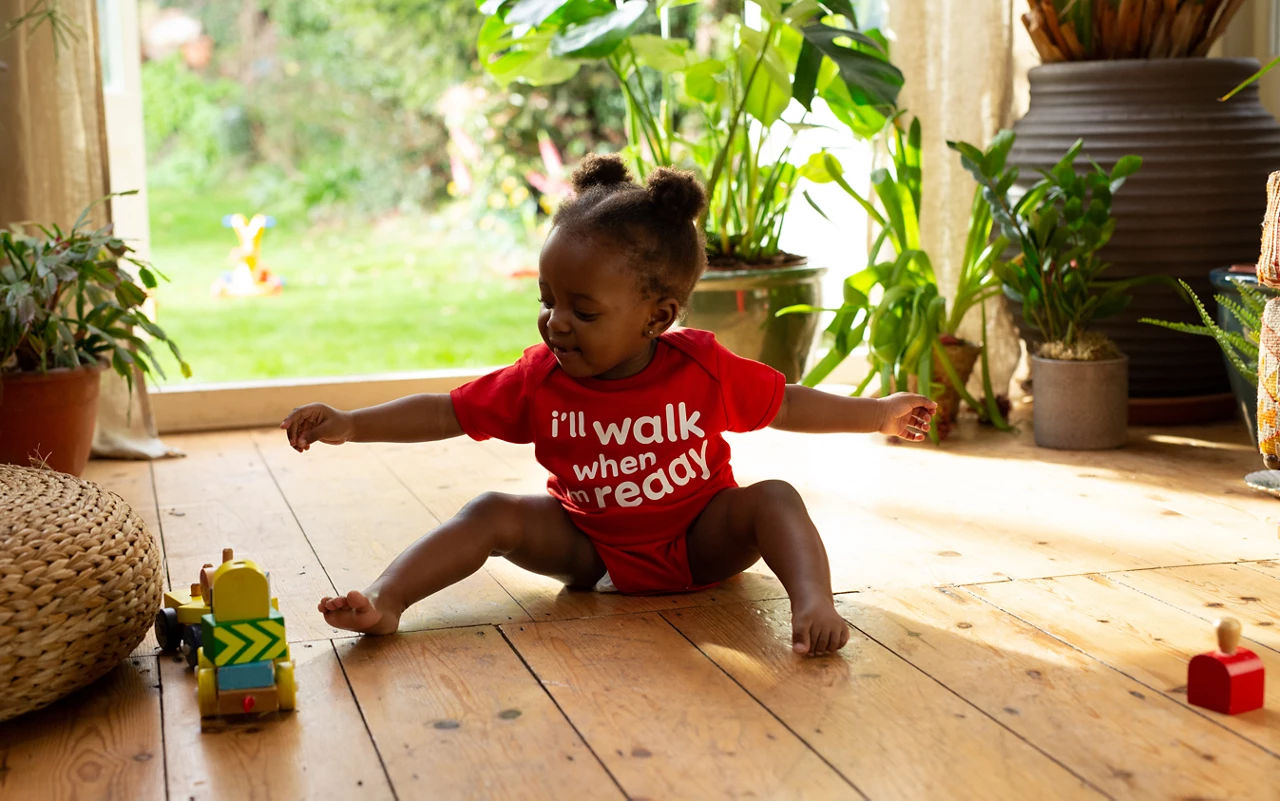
(1229, 680)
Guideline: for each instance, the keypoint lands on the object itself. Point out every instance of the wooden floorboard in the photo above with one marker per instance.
(665, 720)
(1021, 624)
(1211, 591)
(1113, 731)
(1137, 636)
(871, 714)
(321, 750)
(455, 714)
(357, 516)
(102, 741)
(221, 495)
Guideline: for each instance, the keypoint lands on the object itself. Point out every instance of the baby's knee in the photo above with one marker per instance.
(494, 514)
(775, 493)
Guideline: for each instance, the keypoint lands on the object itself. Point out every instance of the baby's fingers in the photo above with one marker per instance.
(296, 426)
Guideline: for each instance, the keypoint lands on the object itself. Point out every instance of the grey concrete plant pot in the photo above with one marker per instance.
(1080, 405)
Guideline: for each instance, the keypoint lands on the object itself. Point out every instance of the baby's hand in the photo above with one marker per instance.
(906, 415)
(317, 422)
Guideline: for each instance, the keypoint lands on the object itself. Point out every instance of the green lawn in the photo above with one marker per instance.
(409, 293)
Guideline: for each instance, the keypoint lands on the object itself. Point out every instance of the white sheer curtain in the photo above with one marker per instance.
(965, 66)
(53, 163)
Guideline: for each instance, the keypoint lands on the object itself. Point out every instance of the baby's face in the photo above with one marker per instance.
(593, 316)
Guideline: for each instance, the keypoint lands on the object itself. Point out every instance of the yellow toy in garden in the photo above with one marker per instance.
(248, 277)
(233, 633)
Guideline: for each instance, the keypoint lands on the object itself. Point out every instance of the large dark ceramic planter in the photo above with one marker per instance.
(739, 306)
(1079, 405)
(1196, 203)
(49, 417)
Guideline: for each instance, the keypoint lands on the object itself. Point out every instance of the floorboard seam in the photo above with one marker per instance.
(1163, 567)
(289, 505)
(364, 721)
(377, 455)
(766, 708)
(438, 522)
(1132, 678)
(983, 712)
(1252, 565)
(1118, 576)
(164, 741)
(155, 499)
(563, 714)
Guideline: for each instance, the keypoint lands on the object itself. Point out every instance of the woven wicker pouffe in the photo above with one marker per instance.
(80, 584)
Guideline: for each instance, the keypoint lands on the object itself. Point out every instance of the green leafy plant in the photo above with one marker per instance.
(1240, 349)
(1057, 228)
(67, 300)
(711, 111)
(895, 304)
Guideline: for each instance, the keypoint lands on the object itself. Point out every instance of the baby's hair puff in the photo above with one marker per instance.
(657, 224)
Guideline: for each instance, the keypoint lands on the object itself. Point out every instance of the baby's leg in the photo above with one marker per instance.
(531, 531)
(768, 519)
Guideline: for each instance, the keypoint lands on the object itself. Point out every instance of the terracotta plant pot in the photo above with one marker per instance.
(739, 306)
(1080, 405)
(49, 417)
(963, 356)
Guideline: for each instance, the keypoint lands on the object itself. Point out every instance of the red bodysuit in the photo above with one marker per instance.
(635, 460)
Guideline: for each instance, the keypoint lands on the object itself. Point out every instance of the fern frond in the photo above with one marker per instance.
(1244, 315)
(1186, 328)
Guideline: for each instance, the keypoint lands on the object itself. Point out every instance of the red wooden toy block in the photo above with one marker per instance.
(1229, 680)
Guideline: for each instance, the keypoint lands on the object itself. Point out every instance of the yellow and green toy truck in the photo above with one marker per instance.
(231, 630)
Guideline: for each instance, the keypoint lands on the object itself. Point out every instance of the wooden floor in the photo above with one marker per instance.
(1021, 624)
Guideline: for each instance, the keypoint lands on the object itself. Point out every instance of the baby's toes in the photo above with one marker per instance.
(800, 640)
(821, 642)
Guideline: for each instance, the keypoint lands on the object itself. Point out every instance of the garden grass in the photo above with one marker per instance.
(400, 294)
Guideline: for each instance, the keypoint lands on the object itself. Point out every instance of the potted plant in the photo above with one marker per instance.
(896, 305)
(1133, 77)
(1079, 376)
(68, 309)
(713, 112)
(1236, 331)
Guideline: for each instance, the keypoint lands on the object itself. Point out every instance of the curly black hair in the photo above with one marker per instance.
(656, 224)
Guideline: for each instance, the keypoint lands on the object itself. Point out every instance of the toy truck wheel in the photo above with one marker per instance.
(206, 692)
(191, 645)
(168, 630)
(286, 690)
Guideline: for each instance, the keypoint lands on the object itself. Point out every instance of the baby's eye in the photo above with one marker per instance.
(544, 302)
(585, 316)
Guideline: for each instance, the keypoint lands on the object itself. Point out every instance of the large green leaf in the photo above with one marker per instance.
(532, 12)
(864, 68)
(805, 83)
(702, 81)
(600, 36)
(664, 55)
(526, 58)
(770, 89)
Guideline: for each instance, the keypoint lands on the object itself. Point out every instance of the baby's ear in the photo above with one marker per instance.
(665, 313)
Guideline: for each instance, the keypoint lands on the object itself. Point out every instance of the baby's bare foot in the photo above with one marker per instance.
(817, 629)
(357, 612)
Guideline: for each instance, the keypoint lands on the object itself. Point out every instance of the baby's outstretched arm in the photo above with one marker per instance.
(903, 414)
(415, 418)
